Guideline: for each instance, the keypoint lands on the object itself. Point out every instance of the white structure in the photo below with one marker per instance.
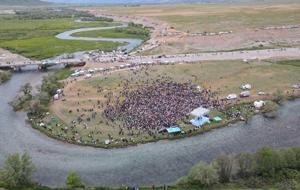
(231, 97)
(198, 112)
(261, 93)
(246, 87)
(259, 104)
(245, 94)
(87, 76)
(56, 97)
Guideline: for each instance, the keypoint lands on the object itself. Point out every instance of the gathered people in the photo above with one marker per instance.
(151, 105)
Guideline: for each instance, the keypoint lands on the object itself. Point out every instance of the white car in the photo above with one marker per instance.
(91, 71)
(246, 87)
(231, 97)
(87, 76)
(245, 94)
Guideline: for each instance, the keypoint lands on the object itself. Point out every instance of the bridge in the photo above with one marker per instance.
(42, 64)
(292, 53)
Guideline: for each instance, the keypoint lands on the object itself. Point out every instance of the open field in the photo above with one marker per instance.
(86, 97)
(34, 37)
(179, 27)
(217, 17)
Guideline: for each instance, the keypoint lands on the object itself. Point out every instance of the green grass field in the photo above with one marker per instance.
(295, 63)
(36, 38)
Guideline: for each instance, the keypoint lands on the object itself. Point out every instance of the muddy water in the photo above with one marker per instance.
(153, 163)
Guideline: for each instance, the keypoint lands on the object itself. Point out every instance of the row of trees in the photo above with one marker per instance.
(51, 13)
(38, 104)
(19, 169)
(266, 165)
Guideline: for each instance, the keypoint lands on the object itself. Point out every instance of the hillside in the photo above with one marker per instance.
(160, 1)
(22, 2)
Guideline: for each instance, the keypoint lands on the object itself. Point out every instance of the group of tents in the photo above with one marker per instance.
(200, 119)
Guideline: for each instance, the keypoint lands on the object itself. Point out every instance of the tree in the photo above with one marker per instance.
(73, 180)
(246, 164)
(268, 161)
(224, 165)
(17, 171)
(203, 174)
(26, 89)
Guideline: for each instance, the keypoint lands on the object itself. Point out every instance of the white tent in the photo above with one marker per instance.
(198, 112)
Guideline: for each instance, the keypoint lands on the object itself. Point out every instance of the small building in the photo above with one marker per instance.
(199, 112)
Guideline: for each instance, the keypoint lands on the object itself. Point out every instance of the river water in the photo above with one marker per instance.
(130, 43)
(154, 163)
(157, 163)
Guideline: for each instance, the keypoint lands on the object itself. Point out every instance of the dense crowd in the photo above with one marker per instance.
(152, 105)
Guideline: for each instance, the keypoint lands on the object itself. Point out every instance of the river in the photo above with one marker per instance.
(154, 163)
(130, 43)
(157, 163)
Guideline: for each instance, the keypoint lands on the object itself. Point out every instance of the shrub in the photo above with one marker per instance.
(73, 180)
(224, 165)
(203, 174)
(4, 76)
(268, 161)
(270, 109)
(245, 163)
(278, 96)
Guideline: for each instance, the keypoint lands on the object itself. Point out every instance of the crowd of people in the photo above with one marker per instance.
(152, 105)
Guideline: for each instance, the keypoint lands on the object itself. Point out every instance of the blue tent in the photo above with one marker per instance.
(174, 130)
(200, 121)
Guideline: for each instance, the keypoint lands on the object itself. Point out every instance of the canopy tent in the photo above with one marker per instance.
(174, 130)
(200, 121)
(217, 119)
(199, 112)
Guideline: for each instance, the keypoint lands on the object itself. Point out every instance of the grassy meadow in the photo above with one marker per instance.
(218, 17)
(35, 38)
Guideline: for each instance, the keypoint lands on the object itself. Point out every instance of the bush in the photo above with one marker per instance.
(4, 76)
(270, 109)
(224, 165)
(203, 175)
(73, 180)
(245, 164)
(278, 96)
(268, 161)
